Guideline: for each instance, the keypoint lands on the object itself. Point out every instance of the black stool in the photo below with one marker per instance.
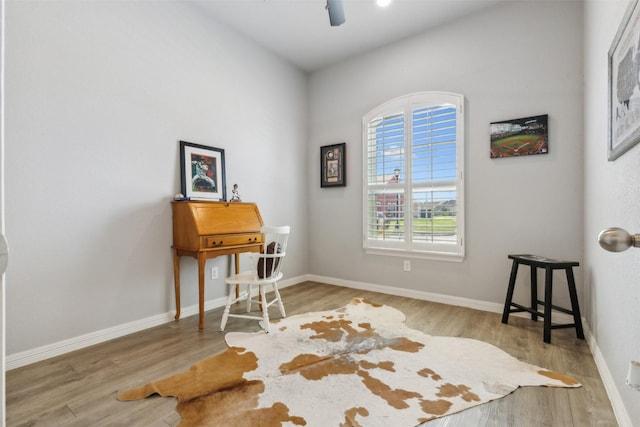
(549, 265)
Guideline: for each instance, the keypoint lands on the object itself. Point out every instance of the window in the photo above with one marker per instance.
(413, 193)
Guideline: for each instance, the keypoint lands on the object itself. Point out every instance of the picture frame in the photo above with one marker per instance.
(333, 165)
(519, 137)
(623, 99)
(202, 172)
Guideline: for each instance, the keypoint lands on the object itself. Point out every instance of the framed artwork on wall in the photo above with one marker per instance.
(520, 137)
(202, 172)
(333, 166)
(624, 85)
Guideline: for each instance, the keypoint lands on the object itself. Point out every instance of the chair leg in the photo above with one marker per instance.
(534, 292)
(249, 291)
(265, 308)
(548, 297)
(512, 283)
(280, 303)
(575, 307)
(227, 307)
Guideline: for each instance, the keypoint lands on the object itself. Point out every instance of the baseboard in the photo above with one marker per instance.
(28, 357)
(430, 296)
(51, 350)
(410, 293)
(619, 410)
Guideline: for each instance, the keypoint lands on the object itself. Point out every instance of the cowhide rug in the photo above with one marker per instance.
(355, 366)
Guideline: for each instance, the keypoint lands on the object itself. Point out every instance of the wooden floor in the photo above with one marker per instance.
(80, 388)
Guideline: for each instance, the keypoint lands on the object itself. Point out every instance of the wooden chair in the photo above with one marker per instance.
(265, 271)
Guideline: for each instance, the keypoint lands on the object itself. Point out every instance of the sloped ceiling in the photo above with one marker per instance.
(299, 30)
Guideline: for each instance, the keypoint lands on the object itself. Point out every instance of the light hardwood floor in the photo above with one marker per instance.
(80, 388)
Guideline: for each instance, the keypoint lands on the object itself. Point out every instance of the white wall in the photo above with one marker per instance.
(98, 96)
(611, 199)
(515, 60)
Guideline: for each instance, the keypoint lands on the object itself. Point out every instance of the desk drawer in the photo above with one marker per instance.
(230, 240)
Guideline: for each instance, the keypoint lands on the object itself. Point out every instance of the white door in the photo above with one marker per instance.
(3, 242)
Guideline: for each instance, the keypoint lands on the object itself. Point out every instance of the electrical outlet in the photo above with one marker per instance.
(214, 273)
(407, 265)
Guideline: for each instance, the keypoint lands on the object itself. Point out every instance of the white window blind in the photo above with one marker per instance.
(413, 180)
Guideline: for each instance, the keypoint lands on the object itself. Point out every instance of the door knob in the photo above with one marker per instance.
(616, 239)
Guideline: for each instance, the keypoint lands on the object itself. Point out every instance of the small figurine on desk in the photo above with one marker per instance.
(179, 197)
(236, 196)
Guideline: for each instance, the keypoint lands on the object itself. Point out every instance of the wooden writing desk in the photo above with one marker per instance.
(206, 230)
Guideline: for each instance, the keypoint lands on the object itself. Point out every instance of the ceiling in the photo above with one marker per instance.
(299, 30)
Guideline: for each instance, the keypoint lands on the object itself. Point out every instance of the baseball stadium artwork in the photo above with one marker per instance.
(520, 137)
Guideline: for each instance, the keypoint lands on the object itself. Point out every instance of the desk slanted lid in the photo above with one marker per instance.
(193, 219)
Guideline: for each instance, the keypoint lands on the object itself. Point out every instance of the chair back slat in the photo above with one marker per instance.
(274, 249)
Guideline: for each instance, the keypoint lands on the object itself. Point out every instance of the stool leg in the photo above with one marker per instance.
(575, 307)
(534, 292)
(512, 284)
(548, 296)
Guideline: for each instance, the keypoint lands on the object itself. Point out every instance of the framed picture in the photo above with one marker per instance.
(202, 172)
(624, 71)
(333, 165)
(520, 137)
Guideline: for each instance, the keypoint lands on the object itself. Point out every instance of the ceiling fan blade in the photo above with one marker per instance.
(336, 12)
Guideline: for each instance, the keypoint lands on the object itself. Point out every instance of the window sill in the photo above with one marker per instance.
(439, 256)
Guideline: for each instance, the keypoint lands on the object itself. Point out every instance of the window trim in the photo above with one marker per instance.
(406, 248)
